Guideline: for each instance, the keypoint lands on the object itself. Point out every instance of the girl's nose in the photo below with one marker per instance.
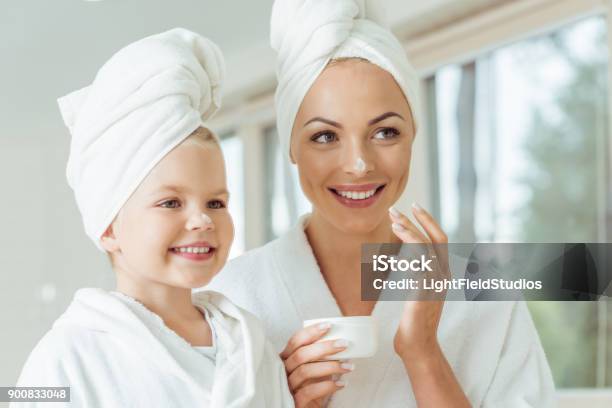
(200, 221)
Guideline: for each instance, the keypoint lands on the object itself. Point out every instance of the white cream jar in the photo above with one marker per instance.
(360, 332)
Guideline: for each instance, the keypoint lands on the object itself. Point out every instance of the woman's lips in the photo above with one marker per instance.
(351, 196)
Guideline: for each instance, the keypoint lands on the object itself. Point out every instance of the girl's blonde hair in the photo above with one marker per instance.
(200, 136)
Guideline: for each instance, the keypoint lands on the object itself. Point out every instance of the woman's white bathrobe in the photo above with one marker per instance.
(113, 352)
(493, 347)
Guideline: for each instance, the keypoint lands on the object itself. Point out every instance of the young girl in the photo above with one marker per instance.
(149, 180)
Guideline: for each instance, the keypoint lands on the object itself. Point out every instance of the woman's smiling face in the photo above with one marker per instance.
(352, 142)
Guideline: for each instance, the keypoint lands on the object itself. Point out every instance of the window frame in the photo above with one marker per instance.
(468, 39)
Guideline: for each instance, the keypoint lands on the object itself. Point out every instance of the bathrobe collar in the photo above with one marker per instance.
(313, 298)
(239, 347)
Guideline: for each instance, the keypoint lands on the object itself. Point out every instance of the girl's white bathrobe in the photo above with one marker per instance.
(113, 352)
(493, 347)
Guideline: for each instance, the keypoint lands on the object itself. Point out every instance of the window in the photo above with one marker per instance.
(285, 200)
(519, 153)
(232, 151)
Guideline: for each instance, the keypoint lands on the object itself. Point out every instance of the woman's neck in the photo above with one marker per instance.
(338, 254)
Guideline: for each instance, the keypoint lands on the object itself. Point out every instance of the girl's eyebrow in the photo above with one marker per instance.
(170, 187)
(223, 191)
(177, 189)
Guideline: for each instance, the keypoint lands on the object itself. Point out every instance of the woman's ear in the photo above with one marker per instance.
(109, 241)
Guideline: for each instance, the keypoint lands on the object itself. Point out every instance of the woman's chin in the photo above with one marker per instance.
(358, 225)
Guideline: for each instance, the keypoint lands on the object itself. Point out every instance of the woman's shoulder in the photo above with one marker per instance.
(265, 258)
(245, 274)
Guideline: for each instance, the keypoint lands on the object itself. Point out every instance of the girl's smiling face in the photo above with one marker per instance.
(175, 229)
(352, 142)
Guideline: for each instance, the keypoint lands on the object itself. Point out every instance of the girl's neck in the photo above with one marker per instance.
(172, 304)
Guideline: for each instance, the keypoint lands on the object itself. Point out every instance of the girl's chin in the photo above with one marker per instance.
(196, 281)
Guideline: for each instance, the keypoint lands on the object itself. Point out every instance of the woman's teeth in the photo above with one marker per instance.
(357, 195)
(193, 250)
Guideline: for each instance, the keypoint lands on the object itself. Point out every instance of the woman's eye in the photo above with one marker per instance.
(386, 134)
(324, 137)
(170, 204)
(216, 204)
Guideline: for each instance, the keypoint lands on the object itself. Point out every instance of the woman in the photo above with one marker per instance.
(347, 117)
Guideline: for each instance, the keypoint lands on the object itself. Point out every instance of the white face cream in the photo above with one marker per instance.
(360, 332)
(207, 219)
(360, 165)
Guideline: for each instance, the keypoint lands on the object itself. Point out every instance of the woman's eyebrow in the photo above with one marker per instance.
(370, 122)
(320, 119)
(384, 116)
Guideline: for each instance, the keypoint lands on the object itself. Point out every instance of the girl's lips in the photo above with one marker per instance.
(366, 202)
(194, 256)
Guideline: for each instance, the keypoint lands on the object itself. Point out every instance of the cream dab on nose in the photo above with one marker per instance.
(206, 219)
(360, 165)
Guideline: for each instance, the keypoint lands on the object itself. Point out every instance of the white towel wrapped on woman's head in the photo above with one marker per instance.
(144, 101)
(308, 34)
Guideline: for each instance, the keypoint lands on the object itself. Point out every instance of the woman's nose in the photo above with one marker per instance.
(357, 160)
(199, 221)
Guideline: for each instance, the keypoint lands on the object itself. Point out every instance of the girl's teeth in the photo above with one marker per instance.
(193, 250)
(357, 195)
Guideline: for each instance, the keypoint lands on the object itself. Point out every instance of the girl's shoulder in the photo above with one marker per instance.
(57, 355)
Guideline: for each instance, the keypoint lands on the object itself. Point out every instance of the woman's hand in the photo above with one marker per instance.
(310, 379)
(416, 341)
(418, 328)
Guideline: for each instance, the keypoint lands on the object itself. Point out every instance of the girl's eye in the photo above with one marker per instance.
(324, 137)
(216, 204)
(170, 204)
(386, 134)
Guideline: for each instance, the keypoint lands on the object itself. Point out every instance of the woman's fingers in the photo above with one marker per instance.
(435, 232)
(314, 352)
(429, 224)
(310, 371)
(303, 337)
(436, 239)
(405, 229)
(315, 391)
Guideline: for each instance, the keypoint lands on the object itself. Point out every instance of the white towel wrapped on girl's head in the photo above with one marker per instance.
(142, 103)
